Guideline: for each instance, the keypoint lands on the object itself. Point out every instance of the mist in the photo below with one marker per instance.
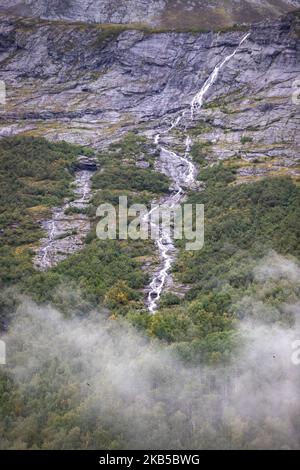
(110, 385)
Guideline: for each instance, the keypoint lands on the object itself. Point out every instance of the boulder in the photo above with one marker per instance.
(86, 163)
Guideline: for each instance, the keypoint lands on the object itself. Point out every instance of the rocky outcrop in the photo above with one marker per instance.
(86, 164)
(163, 13)
(95, 11)
(88, 84)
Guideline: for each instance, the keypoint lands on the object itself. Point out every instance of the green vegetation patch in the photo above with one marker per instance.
(242, 223)
(35, 175)
(119, 170)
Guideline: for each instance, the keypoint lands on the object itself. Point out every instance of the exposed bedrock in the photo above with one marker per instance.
(163, 13)
(89, 85)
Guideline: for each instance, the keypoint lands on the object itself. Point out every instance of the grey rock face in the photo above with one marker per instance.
(164, 13)
(89, 85)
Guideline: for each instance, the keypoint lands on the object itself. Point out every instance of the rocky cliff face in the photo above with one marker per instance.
(99, 11)
(89, 84)
(163, 13)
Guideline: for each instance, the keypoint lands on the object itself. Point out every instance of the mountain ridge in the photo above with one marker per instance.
(168, 14)
(99, 83)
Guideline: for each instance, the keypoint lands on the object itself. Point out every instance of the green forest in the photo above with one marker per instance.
(58, 403)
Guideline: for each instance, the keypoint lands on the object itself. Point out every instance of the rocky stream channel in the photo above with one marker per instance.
(66, 232)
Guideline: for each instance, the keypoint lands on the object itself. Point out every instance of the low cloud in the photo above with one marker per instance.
(140, 395)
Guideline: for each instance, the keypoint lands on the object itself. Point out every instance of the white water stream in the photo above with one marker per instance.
(65, 233)
(183, 172)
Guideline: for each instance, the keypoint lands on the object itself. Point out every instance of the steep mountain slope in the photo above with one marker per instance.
(164, 13)
(212, 367)
(90, 85)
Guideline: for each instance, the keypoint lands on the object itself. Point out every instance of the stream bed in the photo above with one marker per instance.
(65, 233)
(182, 172)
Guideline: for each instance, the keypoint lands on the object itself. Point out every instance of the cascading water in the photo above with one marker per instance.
(65, 233)
(197, 101)
(185, 178)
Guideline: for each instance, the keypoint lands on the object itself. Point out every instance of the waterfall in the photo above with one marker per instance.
(186, 178)
(65, 234)
(197, 101)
